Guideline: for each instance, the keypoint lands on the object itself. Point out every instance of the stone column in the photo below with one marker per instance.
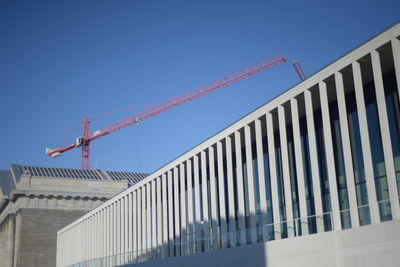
(250, 184)
(176, 212)
(313, 159)
(273, 175)
(213, 199)
(190, 215)
(286, 171)
(17, 240)
(261, 177)
(206, 221)
(299, 165)
(329, 155)
(240, 189)
(385, 132)
(366, 148)
(183, 208)
(347, 155)
(222, 194)
(231, 190)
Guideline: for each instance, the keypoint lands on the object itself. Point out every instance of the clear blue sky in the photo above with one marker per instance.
(62, 60)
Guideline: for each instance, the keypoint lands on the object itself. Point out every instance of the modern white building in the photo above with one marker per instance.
(311, 178)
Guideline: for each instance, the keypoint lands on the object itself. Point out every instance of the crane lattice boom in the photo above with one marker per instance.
(168, 104)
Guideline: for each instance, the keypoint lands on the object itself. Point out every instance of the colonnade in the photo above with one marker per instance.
(310, 153)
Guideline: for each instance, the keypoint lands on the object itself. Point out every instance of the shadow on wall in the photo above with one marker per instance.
(247, 256)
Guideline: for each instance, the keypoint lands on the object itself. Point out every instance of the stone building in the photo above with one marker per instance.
(36, 202)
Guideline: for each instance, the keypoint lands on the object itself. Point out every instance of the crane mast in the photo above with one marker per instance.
(85, 140)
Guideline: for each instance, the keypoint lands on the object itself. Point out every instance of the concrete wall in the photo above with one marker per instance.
(7, 241)
(37, 243)
(367, 246)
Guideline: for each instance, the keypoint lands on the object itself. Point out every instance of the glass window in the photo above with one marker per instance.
(393, 111)
(279, 177)
(378, 161)
(339, 166)
(269, 228)
(305, 151)
(323, 171)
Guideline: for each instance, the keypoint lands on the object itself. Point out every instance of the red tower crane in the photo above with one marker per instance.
(85, 140)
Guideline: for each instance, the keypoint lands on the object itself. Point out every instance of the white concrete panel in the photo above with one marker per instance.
(231, 196)
(144, 218)
(251, 184)
(213, 196)
(119, 221)
(204, 186)
(94, 237)
(153, 214)
(366, 148)
(385, 132)
(86, 239)
(98, 237)
(122, 225)
(109, 230)
(176, 208)
(148, 217)
(221, 194)
(135, 235)
(347, 155)
(159, 214)
(130, 222)
(261, 174)
(190, 211)
(273, 176)
(170, 213)
(329, 155)
(183, 201)
(240, 188)
(299, 163)
(101, 235)
(125, 233)
(197, 205)
(112, 230)
(139, 221)
(313, 156)
(285, 170)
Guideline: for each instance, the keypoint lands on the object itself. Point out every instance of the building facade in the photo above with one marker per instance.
(322, 160)
(36, 202)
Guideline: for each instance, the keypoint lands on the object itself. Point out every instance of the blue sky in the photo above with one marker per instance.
(62, 60)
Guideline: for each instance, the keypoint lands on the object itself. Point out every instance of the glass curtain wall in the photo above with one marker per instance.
(323, 172)
(279, 176)
(379, 167)
(392, 105)
(356, 149)
(269, 218)
(341, 181)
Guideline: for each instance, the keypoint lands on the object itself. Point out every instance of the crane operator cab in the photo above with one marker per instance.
(80, 141)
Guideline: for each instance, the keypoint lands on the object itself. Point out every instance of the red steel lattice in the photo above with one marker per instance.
(168, 104)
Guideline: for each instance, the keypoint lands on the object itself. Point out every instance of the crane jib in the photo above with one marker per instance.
(84, 141)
